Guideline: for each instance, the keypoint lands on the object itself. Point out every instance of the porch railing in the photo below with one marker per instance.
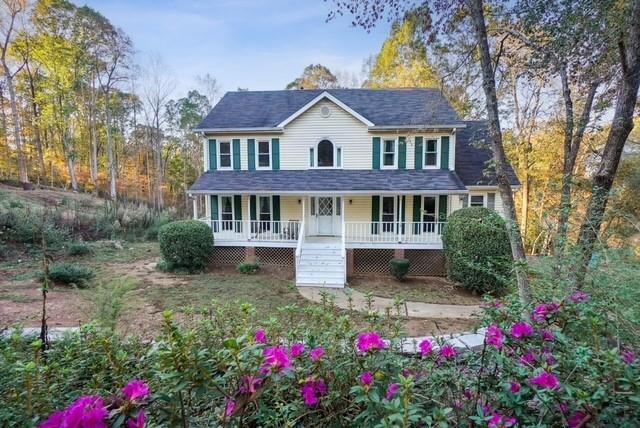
(394, 232)
(299, 248)
(254, 230)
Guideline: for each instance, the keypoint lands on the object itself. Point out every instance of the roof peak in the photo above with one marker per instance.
(336, 89)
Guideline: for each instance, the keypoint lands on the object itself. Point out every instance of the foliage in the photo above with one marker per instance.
(554, 366)
(70, 274)
(399, 268)
(248, 268)
(186, 244)
(79, 249)
(315, 76)
(477, 249)
(109, 301)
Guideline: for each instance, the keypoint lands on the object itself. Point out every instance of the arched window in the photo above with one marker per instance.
(325, 153)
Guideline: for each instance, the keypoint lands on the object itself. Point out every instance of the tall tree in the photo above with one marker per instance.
(314, 76)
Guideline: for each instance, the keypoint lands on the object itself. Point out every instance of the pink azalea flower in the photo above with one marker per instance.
(297, 349)
(579, 297)
(528, 359)
(275, 359)
(544, 310)
(230, 407)
(392, 390)
(87, 411)
(563, 406)
(576, 419)
(495, 336)
(628, 356)
(250, 384)
(55, 420)
(138, 422)
(545, 380)
(425, 347)
(260, 336)
(521, 329)
(136, 389)
(311, 391)
(317, 353)
(366, 378)
(448, 351)
(501, 421)
(547, 335)
(370, 341)
(515, 387)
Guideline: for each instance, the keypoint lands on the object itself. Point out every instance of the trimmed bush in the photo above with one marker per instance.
(186, 244)
(248, 268)
(79, 249)
(399, 268)
(477, 249)
(71, 274)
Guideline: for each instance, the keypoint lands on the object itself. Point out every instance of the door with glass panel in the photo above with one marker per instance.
(388, 214)
(324, 214)
(429, 216)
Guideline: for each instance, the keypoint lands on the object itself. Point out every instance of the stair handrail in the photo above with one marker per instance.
(299, 246)
(343, 248)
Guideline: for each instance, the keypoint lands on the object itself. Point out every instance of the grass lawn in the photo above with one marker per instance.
(417, 289)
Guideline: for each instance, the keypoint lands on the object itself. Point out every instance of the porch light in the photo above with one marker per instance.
(350, 201)
(299, 201)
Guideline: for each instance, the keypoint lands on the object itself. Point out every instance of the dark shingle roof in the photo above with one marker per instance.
(473, 155)
(319, 180)
(383, 107)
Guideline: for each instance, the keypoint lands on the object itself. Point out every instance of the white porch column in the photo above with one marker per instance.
(195, 207)
(248, 221)
(302, 218)
(343, 215)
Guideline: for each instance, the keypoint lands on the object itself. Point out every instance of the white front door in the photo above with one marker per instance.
(324, 215)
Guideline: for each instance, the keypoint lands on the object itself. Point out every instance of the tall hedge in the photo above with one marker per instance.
(186, 244)
(477, 249)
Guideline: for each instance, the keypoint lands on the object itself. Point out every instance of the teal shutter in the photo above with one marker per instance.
(444, 153)
(417, 214)
(418, 153)
(213, 158)
(237, 211)
(402, 153)
(214, 211)
(276, 213)
(275, 154)
(442, 207)
(376, 153)
(491, 201)
(403, 209)
(252, 208)
(375, 214)
(251, 154)
(236, 154)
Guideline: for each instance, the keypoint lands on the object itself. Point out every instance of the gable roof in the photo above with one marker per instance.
(474, 157)
(420, 107)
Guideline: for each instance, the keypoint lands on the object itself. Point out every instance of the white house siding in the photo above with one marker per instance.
(290, 209)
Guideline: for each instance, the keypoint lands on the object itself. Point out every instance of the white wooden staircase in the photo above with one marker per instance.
(321, 264)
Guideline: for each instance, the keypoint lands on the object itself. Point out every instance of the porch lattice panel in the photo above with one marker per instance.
(426, 262)
(367, 261)
(227, 256)
(272, 256)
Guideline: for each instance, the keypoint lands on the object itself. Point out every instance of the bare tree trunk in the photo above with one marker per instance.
(35, 122)
(71, 162)
(17, 133)
(94, 138)
(159, 177)
(621, 127)
(112, 162)
(489, 85)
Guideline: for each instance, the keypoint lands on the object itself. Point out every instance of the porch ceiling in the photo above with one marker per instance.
(346, 181)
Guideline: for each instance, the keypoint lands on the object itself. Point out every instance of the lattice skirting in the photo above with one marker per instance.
(273, 256)
(224, 256)
(376, 261)
(426, 262)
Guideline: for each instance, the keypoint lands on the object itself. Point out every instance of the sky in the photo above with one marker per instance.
(254, 44)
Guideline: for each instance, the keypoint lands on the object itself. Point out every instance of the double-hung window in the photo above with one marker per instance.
(265, 212)
(224, 156)
(226, 212)
(264, 154)
(388, 213)
(389, 153)
(431, 153)
(477, 201)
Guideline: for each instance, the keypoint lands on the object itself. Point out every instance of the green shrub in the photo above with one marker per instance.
(477, 249)
(186, 244)
(109, 301)
(248, 268)
(399, 268)
(71, 274)
(79, 249)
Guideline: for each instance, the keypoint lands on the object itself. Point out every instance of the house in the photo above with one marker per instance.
(337, 182)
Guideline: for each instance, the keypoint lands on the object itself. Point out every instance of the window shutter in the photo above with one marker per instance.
(491, 201)
(252, 208)
(442, 207)
(465, 201)
(375, 214)
(417, 202)
(237, 212)
(418, 153)
(214, 211)
(213, 158)
(402, 153)
(276, 212)
(444, 152)
(376, 153)
(275, 154)
(236, 154)
(251, 154)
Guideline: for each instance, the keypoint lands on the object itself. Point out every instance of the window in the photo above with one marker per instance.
(339, 157)
(224, 158)
(389, 153)
(264, 154)
(265, 212)
(338, 206)
(476, 201)
(431, 152)
(226, 212)
(429, 210)
(388, 214)
(312, 158)
(325, 154)
(312, 205)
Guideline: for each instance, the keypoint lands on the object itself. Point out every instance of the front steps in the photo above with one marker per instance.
(321, 265)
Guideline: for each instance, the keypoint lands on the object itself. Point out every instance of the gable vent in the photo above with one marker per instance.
(325, 111)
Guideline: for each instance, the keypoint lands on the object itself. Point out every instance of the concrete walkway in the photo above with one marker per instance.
(410, 309)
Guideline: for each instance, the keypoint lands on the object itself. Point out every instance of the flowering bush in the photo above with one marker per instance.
(553, 365)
